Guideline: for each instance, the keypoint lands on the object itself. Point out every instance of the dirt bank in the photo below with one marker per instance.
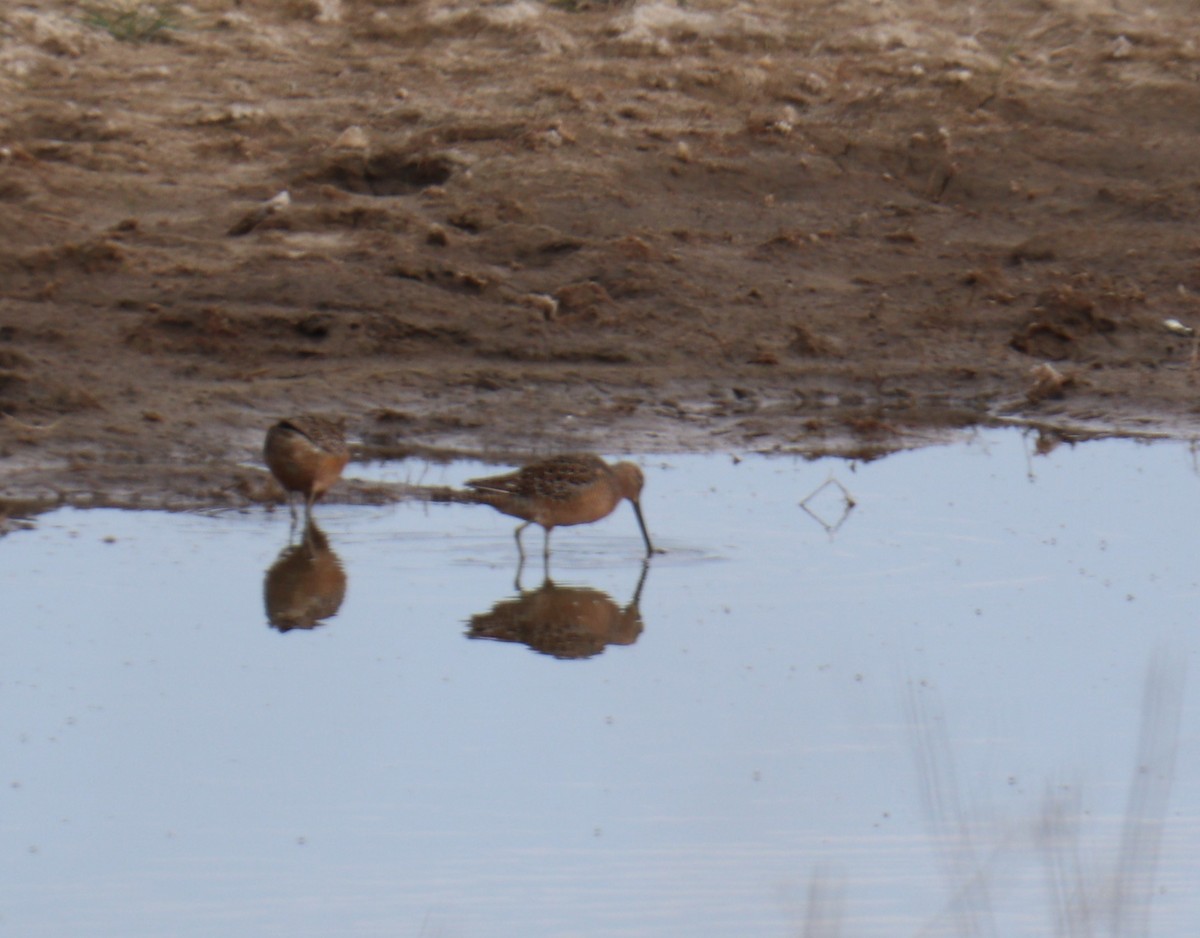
(515, 228)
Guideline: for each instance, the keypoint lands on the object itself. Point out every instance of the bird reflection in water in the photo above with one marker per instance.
(306, 584)
(562, 621)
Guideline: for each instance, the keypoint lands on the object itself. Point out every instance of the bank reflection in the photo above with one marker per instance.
(562, 621)
(306, 584)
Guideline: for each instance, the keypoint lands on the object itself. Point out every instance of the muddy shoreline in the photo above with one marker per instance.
(513, 229)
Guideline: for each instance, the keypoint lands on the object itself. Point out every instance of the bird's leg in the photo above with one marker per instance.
(517, 535)
(546, 549)
(295, 520)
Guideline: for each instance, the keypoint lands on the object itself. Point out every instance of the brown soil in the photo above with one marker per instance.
(521, 227)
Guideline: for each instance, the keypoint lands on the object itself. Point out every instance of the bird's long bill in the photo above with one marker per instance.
(637, 510)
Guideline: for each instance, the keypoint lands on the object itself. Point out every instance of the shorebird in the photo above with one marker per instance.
(307, 455)
(560, 491)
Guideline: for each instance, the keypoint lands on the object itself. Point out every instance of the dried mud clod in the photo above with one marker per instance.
(1047, 383)
(203, 331)
(586, 299)
(806, 343)
(26, 390)
(1062, 319)
(389, 172)
(99, 255)
(271, 208)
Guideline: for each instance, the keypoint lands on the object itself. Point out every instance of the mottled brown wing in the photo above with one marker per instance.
(324, 433)
(558, 477)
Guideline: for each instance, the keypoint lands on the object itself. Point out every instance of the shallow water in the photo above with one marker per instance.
(964, 711)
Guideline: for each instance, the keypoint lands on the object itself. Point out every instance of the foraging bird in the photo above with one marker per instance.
(307, 455)
(562, 490)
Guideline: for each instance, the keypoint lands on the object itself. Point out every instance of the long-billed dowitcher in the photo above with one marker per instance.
(307, 455)
(563, 490)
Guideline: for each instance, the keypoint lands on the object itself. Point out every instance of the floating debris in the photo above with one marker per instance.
(848, 504)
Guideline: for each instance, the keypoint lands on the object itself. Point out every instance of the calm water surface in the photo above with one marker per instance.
(967, 710)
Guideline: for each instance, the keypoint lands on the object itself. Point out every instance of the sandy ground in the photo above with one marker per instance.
(521, 227)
